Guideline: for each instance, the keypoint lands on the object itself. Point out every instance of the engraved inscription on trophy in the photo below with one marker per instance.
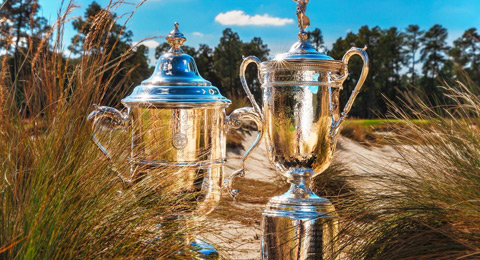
(179, 141)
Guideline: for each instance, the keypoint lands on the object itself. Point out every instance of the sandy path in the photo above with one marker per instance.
(242, 241)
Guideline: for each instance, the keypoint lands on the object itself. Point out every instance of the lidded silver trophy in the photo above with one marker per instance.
(301, 117)
(178, 119)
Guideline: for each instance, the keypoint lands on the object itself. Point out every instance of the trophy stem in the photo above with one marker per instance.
(299, 225)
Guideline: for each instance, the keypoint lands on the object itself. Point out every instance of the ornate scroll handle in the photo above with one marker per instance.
(118, 119)
(243, 80)
(254, 114)
(346, 58)
(234, 120)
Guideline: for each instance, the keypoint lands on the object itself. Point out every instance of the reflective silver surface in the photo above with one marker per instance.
(301, 116)
(176, 82)
(301, 109)
(177, 119)
(290, 238)
(299, 225)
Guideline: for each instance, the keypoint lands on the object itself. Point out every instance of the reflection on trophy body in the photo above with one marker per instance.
(178, 122)
(301, 116)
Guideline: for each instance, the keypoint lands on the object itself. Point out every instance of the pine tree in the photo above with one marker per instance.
(372, 87)
(466, 53)
(413, 35)
(392, 59)
(204, 60)
(227, 58)
(21, 31)
(21, 26)
(116, 41)
(433, 55)
(316, 39)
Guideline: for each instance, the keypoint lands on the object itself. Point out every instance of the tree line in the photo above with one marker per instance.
(412, 60)
(408, 60)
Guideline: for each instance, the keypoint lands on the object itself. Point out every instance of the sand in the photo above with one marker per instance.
(241, 241)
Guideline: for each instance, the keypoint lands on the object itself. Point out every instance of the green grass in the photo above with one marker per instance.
(372, 131)
(376, 122)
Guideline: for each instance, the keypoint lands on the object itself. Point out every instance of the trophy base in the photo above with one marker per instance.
(193, 248)
(204, 250)
(299, 225)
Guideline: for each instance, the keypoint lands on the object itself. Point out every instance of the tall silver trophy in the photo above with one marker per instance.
(301, 119)
(177, 120)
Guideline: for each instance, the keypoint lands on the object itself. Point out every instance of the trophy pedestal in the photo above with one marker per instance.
(299, 225)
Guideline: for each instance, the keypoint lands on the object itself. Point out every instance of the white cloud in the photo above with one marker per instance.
(198, 34)
(149, 43)
(238, 17)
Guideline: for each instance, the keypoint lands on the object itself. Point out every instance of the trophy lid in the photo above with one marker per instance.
(303, 50)
(176, 81)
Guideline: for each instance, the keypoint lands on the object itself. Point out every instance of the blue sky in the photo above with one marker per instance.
(202, 21)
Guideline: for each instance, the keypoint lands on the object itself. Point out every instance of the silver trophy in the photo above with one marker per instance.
(177, 119)
(301, 119)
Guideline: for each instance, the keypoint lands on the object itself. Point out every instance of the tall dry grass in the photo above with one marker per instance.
(428, 205)
(59, 197)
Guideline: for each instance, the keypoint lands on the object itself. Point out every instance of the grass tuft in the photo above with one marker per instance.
(59, 197)
(428, 205)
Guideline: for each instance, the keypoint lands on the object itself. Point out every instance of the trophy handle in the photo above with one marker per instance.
(243, 80)
(103, 112)
(234, 120)
(255, 114)
(346, 58)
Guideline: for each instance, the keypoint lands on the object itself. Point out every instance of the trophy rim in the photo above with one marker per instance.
(168, 104)
(301, 64)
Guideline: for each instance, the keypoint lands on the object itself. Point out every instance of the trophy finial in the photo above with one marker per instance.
(303, 20)
(176, 39)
